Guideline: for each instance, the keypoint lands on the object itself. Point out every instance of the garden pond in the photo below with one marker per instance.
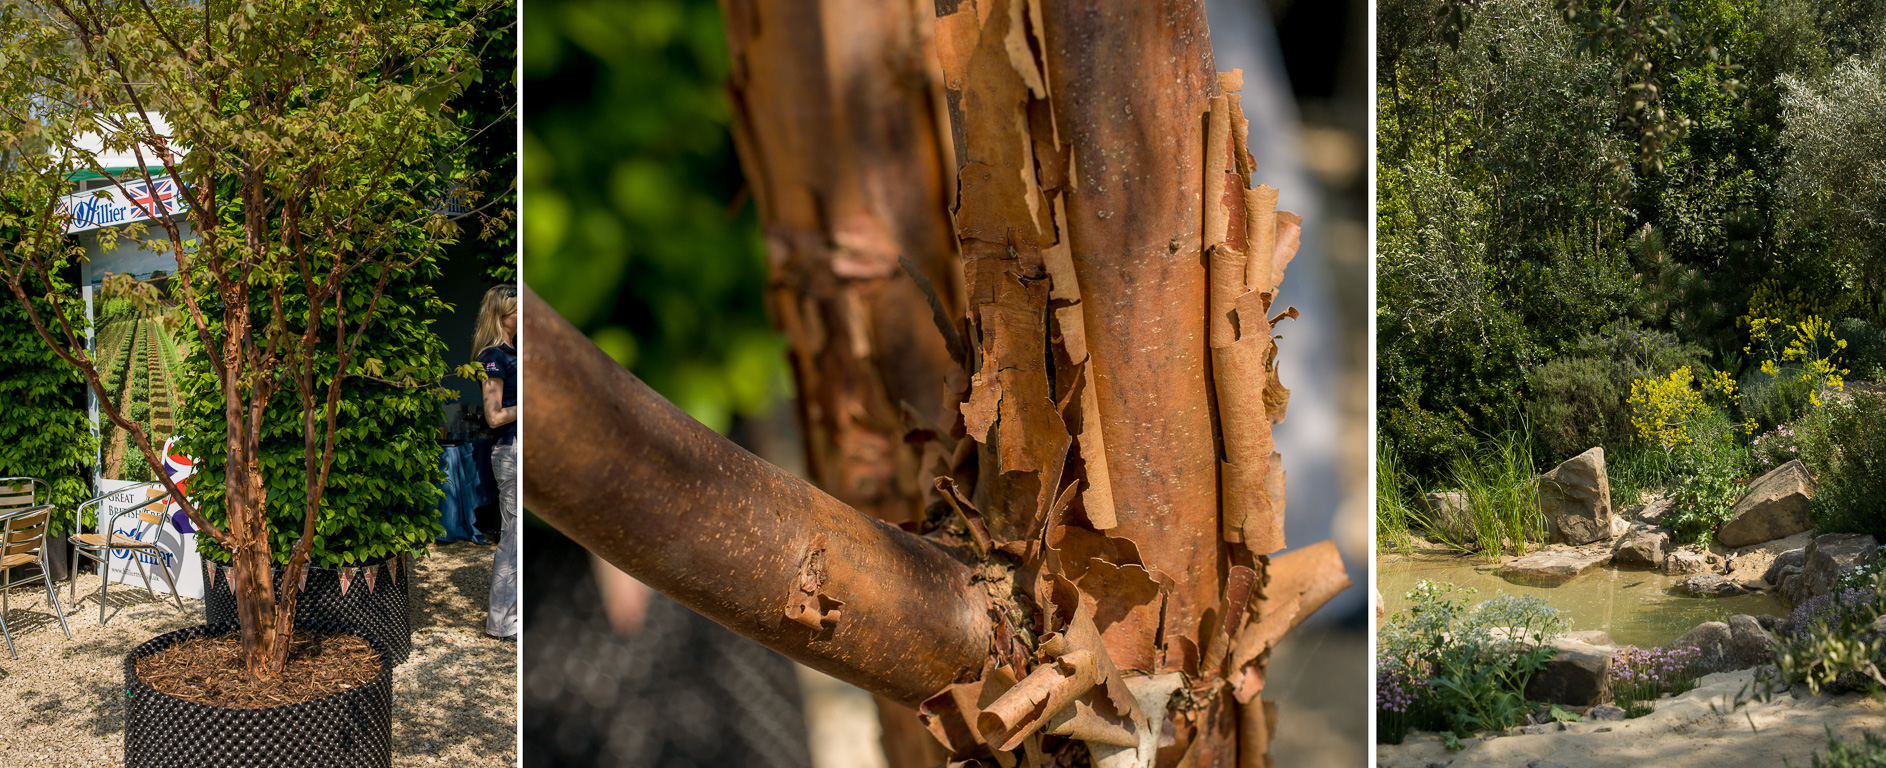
(1636, 607)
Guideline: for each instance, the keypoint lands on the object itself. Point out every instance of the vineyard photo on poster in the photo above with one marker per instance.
(136, 326)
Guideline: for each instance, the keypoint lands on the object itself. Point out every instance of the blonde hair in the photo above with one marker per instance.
(501, 300)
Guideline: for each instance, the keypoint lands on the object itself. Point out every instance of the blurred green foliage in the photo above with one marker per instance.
(638, 228)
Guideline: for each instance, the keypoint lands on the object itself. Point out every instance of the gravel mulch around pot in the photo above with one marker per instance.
(454, 700)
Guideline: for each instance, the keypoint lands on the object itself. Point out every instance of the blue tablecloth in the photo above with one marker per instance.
(469, 485)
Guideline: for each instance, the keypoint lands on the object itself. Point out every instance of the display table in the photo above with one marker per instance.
(468, 485)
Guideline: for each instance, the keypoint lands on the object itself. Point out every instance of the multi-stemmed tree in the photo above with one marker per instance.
(1028, 291)
(309, 159)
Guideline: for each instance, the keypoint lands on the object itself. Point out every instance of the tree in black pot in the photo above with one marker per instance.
(300, 163)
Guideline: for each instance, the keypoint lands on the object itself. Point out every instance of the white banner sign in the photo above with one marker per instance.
(175, 539)
(86, 211)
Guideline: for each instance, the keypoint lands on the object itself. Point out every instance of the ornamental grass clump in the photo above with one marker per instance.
(1460, 669)
(1640, 676)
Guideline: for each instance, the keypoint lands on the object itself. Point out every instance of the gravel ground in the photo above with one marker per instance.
(454, 700)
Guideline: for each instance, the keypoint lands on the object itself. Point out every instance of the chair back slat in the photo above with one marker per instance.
(16, 496)
(23, 534)
(151, 518)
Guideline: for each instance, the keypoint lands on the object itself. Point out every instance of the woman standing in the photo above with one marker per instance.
(497, 328)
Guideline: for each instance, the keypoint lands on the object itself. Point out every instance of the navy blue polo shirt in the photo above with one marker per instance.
(501, 363)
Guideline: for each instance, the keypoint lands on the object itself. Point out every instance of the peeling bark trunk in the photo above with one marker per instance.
(840, 125)
(1081, 415)
(838, 122)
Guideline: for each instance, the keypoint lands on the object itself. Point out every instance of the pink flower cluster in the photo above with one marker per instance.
(1397, 690)
(1638, 674)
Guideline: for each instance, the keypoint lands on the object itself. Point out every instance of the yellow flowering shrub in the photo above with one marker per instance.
(1809, 342)
(1663, 409)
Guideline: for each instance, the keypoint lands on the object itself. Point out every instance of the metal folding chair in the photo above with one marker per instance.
(98, 547)
(23, 542)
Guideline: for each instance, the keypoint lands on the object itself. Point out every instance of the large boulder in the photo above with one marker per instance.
(1553, 567)
(1643, 546)
(1448, 515)
(1725, 646)
(1750, 643)
(1578, 675)
(1793, 558)
(1776, 505)
(1653, 512)
(1829, 559)
(1709, 585)
(1576, 499)
(1714, 642)
(1685, 561)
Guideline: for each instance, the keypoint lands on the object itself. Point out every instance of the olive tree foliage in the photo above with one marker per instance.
(1555, 174)
(310, 141)
(1836, 172)
(1487, 130)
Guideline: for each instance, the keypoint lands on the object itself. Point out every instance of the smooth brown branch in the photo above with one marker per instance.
(633, 479)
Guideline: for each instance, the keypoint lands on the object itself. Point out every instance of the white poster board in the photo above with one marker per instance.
(177, 550)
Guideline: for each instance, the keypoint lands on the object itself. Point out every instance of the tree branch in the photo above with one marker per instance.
(633, 479)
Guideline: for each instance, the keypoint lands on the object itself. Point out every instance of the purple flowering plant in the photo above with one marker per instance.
(1443, 665)
(1776, 447)
(1834, 641)
(1639, 676)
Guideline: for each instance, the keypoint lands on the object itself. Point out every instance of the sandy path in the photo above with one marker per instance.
(1700, 729)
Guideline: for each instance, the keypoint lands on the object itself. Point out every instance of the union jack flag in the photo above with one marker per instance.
(63, 212)
(179, 467)
(144, 201)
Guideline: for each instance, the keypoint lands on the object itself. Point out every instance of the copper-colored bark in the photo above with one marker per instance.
(668, 501)
(838, 125)
(1098, 446)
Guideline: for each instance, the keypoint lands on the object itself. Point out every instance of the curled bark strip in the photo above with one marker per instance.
(1081, 413)
(1241, 345)
(1301, 581)
(1238, 587)
(668, 501)
(950, 714)
(1108, 711)
(1152, 693)
(1024, 709)
(972, 517)
(1261, 212)
(1288, 234)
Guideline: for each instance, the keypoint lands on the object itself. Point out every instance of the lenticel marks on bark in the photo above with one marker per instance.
(209, 670)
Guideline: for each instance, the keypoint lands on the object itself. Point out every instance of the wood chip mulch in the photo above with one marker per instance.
(209, 670)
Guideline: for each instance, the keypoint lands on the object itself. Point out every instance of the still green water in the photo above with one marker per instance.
(1637, 607)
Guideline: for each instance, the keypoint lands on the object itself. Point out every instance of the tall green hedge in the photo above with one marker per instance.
(385, 480)
(45, 431)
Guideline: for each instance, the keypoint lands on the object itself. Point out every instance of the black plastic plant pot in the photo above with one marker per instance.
(373, 599)
(350, 729)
